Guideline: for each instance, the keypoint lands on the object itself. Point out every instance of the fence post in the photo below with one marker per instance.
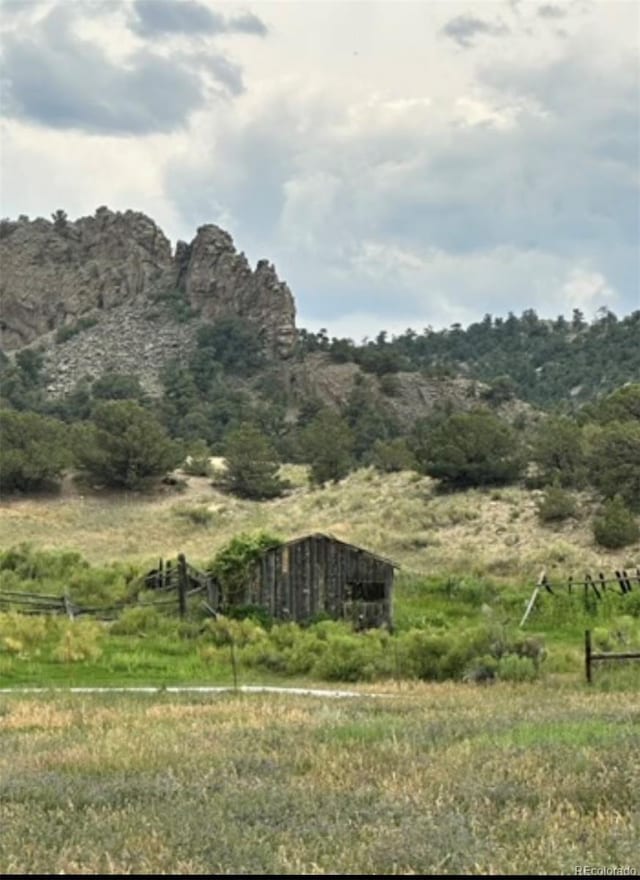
(587, 654)
(68, 607)
(541, 580)
(182, 584)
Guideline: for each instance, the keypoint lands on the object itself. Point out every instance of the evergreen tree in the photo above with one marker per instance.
(328, 443)
(252, 464)
(558, 451)
(614, 462)
(34, 451)
(125, 446)
(471, 449)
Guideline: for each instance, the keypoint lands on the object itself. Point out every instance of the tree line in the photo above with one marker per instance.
(540, 361)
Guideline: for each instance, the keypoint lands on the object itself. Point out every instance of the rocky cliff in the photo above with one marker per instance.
(111, 276)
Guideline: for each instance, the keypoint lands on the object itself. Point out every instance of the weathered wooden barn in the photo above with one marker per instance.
(320, 574)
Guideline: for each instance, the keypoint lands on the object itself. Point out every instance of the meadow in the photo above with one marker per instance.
(479, 532)
(516, 766)
(427, 779)
(468, 564)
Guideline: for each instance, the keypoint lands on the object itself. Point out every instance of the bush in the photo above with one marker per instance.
(558, 451)
(138, 620)
(393, 455)
(80, 640)
(556, 505)
(197, 462)
(616, 526)
(234, 562)
(20, 633)
(68, 331)
(514, 668)
(349, 659)
(327, 443)
(34, 451)
(197, 516)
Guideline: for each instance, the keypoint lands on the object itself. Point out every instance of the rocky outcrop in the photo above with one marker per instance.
(218, 282)
(116, 271)
(406, 396)
(52, 273)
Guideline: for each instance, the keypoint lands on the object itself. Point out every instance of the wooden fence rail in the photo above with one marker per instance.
(591, 657)
(622, 580)
(183, 580)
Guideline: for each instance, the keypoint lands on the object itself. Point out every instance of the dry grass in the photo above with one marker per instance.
(476, 532)
(432, 779)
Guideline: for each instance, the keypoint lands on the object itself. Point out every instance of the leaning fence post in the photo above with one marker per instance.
(587, 654)
(541, 580)
(182, 584)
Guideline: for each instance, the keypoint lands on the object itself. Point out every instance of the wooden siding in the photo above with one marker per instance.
(319, 574)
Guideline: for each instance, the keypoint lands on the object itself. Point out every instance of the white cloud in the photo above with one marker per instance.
(394, 177)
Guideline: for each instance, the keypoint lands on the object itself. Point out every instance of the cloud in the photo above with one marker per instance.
(465, 28)
(523, 192)
(548, 10)
(248, 23)
(155, 18)
(57, 78)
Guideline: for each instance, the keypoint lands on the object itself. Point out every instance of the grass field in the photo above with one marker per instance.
(430, 779)
(537, 777)
(479, 532)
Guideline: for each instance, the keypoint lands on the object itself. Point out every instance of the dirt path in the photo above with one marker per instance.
(223, 689)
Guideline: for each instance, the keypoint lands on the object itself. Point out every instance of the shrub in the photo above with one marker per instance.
(558, 451)
(327, 444)
(348, 659)
(197, 516)
(138, 620)
(514, 668)
(68, 331)
(616, 526)
(19, 632)
(613, 462)
(197, 462)
(556, 505)
(80, 640)
(393, 455)
(234, 562)
(33, 453)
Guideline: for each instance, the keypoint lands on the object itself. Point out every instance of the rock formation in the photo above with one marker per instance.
(116, 275)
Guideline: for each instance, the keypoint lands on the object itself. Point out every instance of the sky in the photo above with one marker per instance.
(403, 164)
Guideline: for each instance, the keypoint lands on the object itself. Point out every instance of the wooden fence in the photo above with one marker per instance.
(621, 581)
(181, 579)
(591, 657)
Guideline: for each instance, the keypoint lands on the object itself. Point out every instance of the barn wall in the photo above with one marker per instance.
(298, 580)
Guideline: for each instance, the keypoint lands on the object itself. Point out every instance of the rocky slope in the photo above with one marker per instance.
(106, 293)
(116, 272)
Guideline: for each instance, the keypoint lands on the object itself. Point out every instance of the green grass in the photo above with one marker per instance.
(452, 627)
(432, 779)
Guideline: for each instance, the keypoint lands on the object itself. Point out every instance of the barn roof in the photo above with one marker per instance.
(333, 538)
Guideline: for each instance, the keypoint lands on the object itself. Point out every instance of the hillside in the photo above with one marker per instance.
(110, 294)
(493, 533)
